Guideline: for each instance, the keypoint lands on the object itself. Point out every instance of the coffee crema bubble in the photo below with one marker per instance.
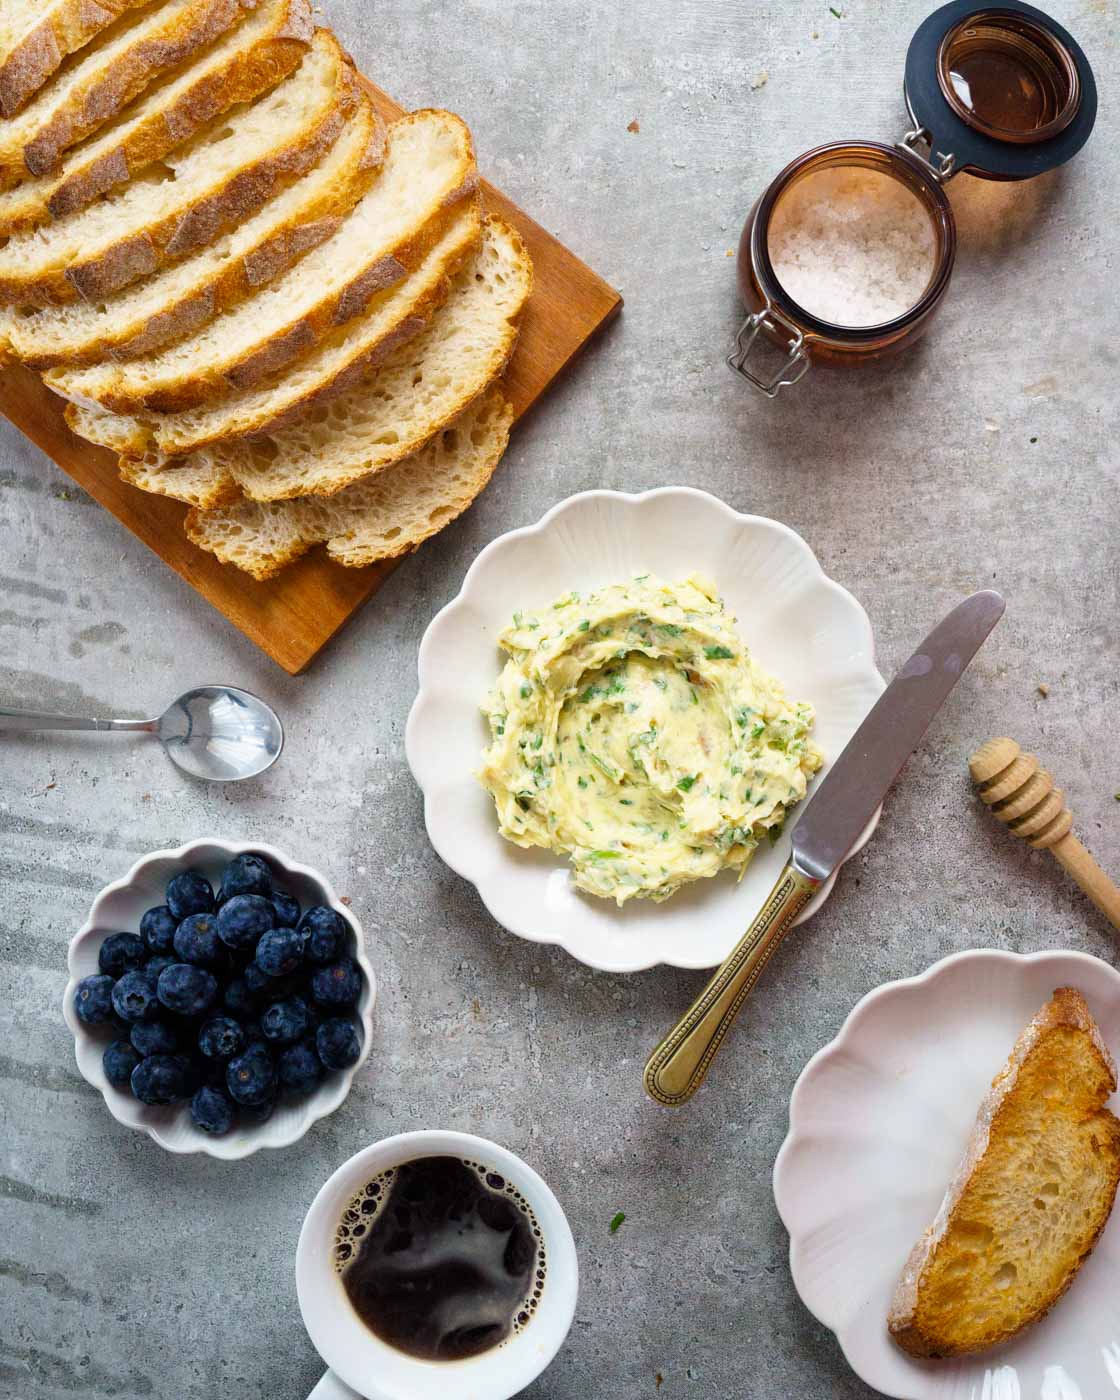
(441, 1257)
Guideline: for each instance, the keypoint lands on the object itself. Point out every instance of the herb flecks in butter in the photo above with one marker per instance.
(632, 731)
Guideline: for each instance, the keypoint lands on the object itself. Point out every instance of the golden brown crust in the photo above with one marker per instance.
(906, 1321)
(65, 28)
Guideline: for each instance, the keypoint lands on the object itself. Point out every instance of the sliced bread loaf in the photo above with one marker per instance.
(1030, 1199)
(429, 167)
(198, 480)
(392, 411)
(35, 37)
(382, 518)
(223, 176)
(394, 316)
(111, 430)
(246, 61)
(177, 300)
(106, 75)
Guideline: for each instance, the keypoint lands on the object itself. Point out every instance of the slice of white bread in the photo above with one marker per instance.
(224, 175)
(392, 411)
(106, 75)
(389, 515)
(120, 434)
(394, 316)
(1030, 1198)
(429, 167)
(178, 299)
(36, 35)
(198, 480)
(246, 61)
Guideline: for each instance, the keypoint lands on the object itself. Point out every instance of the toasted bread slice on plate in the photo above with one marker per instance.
(105, 76)
(225, 175)
(1031, 1197)
(177, 300)
(429, 167)
(36, 35)
(246, 61)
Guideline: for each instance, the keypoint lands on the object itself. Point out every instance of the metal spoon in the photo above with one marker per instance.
(215, 732)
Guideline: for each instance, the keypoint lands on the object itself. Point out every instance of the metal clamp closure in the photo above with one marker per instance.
(795, 365)
(946, 166)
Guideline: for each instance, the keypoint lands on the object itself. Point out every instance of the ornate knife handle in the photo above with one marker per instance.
(676, 1069)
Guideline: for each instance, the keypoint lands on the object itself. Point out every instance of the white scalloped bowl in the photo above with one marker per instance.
(803, 627)
(878, 1124)
(119, 906)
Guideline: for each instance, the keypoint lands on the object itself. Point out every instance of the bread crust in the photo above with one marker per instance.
(1068, 1009)
(140, 252)
(278, 346)
(64, 29)
(311, 224)
(129, 73)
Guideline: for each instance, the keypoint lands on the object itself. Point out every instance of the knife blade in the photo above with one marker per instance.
(858, 780)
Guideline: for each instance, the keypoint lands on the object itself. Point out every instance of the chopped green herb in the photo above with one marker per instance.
(526, 691)
(581, 782)
(686, 784)
(832, 10)
(717, 653)
(616, 1222)
(584, 625)
(606, 855)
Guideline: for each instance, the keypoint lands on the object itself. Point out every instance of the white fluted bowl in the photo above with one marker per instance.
(878, 1124)
(803, 627)
(119, 906)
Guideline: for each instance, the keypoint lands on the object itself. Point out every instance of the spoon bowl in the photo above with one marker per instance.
(221, 734)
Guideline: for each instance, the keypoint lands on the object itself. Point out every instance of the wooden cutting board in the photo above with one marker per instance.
(293, 616)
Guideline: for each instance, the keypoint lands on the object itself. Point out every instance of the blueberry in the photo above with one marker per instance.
(256, 980)
(212, 1111)
(155, 964)
(280, 951)
(93, 999)
(134, 997)
(338, 1043)
(300, 1067)
(242, 920)
(258, 1112)
(287, 909)
(324, 934)
(157, 928)
(245, 874)
(121, 953)
(189, 893)
(237, 998)
(340, 984)
(119, 1060)
(251, 1076)
(186, 989)
(285, 1022)
(221, 1038)
(197, 941)
(162, 1079)
(154, 1038)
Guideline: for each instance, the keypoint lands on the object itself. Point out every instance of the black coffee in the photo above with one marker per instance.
(440, 1258)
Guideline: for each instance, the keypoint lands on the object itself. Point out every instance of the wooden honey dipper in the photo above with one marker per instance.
(1021, 793)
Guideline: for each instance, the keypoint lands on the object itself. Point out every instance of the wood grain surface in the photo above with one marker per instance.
(293, 616)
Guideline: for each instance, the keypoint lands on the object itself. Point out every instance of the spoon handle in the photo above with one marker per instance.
(32, 719)
(677, 1067)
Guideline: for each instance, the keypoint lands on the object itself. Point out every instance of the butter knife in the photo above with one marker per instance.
(829, 827)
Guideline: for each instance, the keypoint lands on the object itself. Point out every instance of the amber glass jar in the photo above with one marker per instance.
(805, 337)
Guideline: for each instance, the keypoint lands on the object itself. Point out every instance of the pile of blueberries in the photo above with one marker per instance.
(226, 1000)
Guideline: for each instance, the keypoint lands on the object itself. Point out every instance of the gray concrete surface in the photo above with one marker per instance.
(986, 457)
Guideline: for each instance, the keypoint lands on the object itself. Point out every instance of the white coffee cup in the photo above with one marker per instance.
(363, 1365)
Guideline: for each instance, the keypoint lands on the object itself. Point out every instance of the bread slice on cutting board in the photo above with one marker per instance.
(1030, 1199)
(429, 167)
(177, 300)
(106, 75)
(36, 35)
(246, 61)
(226, 174)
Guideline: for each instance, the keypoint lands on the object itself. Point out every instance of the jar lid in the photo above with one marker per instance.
(1003, 92)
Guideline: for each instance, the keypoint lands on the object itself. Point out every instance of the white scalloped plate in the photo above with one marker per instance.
(878, 1123)
(802, 626)
(119, 906)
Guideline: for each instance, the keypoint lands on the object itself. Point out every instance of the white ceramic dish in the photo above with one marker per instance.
(119, 906)
(878, 1122)
(802, 626)
(361, 1364)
